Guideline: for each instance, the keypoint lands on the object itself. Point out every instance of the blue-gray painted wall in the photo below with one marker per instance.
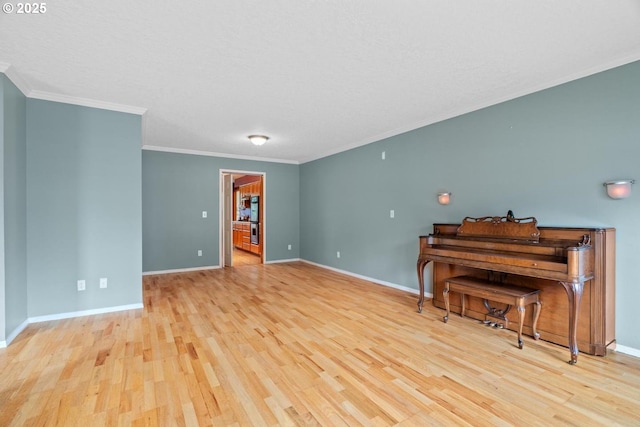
(84, 216)
(15, 205)
(178, 187)
(544, 155)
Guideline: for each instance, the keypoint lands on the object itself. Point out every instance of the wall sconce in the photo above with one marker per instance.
(619, 189)
(444, 198)
(258, 139)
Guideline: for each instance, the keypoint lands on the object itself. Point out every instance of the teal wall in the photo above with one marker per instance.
(15, 205)
(176, 188)
(544, 155)
(83, 207)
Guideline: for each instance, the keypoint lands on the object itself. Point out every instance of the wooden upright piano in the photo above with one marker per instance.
(574, 269)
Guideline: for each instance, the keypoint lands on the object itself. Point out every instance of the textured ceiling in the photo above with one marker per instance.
(318, 77)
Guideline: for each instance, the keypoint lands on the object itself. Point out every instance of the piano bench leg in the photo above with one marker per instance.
(445, 296)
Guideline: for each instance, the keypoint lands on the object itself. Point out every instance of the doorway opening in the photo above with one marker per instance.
(242, 225)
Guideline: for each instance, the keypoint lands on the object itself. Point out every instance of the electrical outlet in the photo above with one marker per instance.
(392, 213)
(82, 285)
(338, 254)
(204, 214)
(199, 252)
(103, 283)
(289, 247)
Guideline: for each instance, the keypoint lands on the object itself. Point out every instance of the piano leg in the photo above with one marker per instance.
(536, 315)
(421, 265)
(520, 309)
(574, 294)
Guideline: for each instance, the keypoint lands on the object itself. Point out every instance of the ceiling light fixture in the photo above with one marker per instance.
(258, 139)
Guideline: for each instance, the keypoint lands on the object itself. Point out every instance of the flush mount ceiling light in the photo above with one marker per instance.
(258, 139)
(619, 189)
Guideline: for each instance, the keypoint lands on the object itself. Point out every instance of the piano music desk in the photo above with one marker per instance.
(517, 296)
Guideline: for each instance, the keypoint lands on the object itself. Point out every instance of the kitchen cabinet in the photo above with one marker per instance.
(251, 189)
(242, 235)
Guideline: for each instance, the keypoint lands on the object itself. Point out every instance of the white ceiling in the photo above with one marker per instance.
(318, 76)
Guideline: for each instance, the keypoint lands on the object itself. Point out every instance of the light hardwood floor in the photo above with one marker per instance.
(242, 258)
(293, 344)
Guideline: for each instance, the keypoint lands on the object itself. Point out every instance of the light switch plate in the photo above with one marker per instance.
(103, 282)
(204, 214)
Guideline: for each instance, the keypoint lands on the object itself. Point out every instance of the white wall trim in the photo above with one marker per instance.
(14, 334)
(627, 350)
(82, 313)
(280, 261)
(69, 315)
(214, 154)
(86, 102)
(618, 62)
(180, 270)
(370, 279)
(27, 91)
(15, 78)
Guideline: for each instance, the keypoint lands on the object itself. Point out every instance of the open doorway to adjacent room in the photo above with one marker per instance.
(242, 225)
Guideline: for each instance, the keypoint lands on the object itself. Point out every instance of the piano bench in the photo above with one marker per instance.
(517, 296)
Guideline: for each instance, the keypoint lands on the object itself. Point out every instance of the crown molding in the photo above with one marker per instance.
(614, 63)
(27, 91)
(86, 102)
(214, 154)
(15, 77)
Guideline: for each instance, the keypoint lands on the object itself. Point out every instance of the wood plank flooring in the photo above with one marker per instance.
(296, 345)
(242, 258)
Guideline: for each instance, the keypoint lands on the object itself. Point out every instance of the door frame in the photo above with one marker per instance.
(221, 225)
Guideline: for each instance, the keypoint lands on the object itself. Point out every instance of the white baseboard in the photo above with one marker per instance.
(81, 313)
(278, 261)
(38, 319)
(627, 350)
(180, 270)
(370, 279)
(14, 334)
